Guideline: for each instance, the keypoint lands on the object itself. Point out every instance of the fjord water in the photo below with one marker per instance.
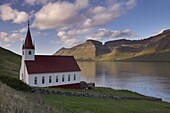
(147, 78)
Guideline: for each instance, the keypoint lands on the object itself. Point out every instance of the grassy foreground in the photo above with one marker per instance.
(12, 101)
(22, 102)
(72, 104)
(98, 105)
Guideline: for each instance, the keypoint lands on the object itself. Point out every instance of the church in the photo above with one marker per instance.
(47, 71)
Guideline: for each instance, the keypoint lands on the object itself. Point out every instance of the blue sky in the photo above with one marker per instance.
(65, 23)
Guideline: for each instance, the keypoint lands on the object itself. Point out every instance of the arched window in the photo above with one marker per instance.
(43, 80)
(56, 78)
(35, 80)
(63, 78)
(74, 76)
(22, 52)
(22, 76)
(50, 79)
(29, 52)
(69, 77)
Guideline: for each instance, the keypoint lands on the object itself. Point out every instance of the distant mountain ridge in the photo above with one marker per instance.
(155, 48)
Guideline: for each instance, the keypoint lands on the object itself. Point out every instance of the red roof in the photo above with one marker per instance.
(28, 41)
(52, 64)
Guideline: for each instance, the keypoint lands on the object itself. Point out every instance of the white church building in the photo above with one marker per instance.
(47, 71)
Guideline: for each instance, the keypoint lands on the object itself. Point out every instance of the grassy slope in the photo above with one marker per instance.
(12, 101)
(9, 66)
(98, 105)
(9, 63)
(159, 56)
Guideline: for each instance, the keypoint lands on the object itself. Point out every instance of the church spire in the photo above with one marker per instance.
(28, 41)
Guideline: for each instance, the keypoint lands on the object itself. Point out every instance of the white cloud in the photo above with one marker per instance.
(68, 39)
(10, 38)
(54, 42)
(20, 17)
(23, 30)
(3, 35)
(103, 33)
(59, 15)
(102, 15)
(34, 2)
(8, 45)
(7, 13)
(131, 3)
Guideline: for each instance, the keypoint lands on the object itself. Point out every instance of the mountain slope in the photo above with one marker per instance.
(88, 50)
(155, 48)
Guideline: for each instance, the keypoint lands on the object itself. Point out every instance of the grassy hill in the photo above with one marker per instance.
(12, 101)
(155, 48)
(9, 63)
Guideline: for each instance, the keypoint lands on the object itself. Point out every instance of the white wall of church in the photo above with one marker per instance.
(31, 79)
(23, 73)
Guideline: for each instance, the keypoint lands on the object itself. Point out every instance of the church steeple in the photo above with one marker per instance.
(28, 49)
(28, 41)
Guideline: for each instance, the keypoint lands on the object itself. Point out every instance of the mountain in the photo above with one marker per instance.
(88, 50)
(155, 48)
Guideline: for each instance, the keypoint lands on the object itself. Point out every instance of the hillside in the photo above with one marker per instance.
(9, 63)
(88, 50)
(155, 48)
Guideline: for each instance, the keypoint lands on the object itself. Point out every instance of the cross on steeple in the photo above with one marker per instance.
(28, 23)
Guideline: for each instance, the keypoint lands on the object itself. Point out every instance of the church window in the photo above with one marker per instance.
(50, 79)
(69, 77)
(29, 52)
(43, 80)
(74, 76)
(22, 76)
(22, 52)
(35, 80)
(56, 78)
(63, 78)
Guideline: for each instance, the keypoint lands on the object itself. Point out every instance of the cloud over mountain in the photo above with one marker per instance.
(104, 33)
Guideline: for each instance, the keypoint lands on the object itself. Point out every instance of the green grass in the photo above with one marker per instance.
(98, 105)
(9, 63)
(12, 101)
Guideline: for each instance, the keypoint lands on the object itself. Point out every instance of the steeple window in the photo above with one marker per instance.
(29, 52)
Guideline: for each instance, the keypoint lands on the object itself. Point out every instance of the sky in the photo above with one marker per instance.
(65, 23)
